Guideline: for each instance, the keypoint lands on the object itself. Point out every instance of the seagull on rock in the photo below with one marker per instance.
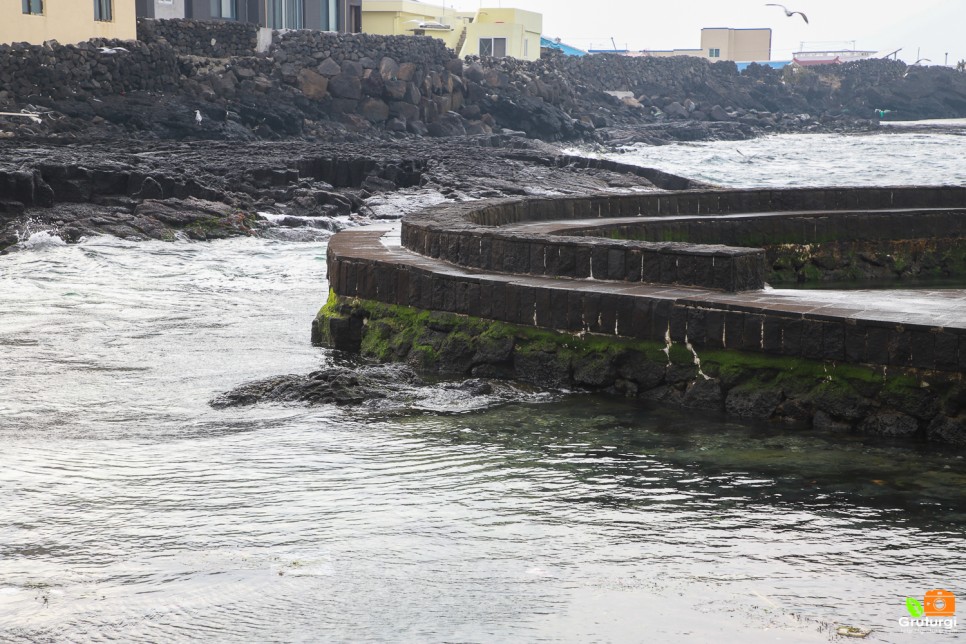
(787, 12)
(110, 51)
(198, 117)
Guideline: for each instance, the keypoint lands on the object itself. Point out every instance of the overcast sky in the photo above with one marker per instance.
(932, 26)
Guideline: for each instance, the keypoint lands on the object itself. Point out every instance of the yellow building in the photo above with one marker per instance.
(487, 32)
(504, 32)
(743, 45)
(723, 43)
(66, 21)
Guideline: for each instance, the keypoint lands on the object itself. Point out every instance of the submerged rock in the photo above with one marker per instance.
(386, 388)
(339, 385)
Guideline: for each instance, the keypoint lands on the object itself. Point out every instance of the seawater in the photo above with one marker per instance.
(894, 157)
(133, 511)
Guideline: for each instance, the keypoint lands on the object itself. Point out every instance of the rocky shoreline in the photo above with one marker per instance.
(213, 190)
(192, 133)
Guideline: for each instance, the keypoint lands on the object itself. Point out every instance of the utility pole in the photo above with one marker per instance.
(946, 64)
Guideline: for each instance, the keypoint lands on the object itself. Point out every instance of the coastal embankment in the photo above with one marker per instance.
(551, 291)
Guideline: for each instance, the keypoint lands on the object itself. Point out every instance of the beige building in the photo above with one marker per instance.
(723, 43)
(66, 21)
(488, 32)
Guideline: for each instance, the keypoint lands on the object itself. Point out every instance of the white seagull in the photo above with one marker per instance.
(198, 117)
(110, 51)
(787, 12)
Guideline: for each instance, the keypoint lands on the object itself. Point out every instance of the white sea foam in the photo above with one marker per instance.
(40, 240)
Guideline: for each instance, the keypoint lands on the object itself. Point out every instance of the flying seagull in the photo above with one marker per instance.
(198, 117)
(111, 50)
(787, 12)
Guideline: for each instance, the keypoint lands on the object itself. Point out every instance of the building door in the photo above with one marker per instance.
(355, 19)
(286, 14)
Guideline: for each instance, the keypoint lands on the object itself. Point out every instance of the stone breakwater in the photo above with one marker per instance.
(484, 290)
(320, 84)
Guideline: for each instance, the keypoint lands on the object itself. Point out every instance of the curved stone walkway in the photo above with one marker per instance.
(923, 329)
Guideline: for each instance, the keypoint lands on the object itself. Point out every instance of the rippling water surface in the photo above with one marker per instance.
(895, 157)
(133, 511)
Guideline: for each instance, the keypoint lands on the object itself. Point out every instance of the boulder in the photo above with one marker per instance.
(403, 110)
(352, 68)
(313, 84)
(346, 86)
(329, 67)
(396, 125)
(406, 72)
(395, 89)
(752, 402)
(892, 424)
(719, 113)
(676, 110)
(374, 110)
(388, 69)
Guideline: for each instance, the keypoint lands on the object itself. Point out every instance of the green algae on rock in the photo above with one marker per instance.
(888, 402)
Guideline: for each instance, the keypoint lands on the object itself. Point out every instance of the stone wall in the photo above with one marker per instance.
(308, 48)
(704, 323)
(475, 236)
(81, 71)
(816, 228)
(210, 38)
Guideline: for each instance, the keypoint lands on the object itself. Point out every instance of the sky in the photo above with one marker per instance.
(932, 28)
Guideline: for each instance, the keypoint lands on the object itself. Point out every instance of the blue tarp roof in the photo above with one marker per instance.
(566, 49)
(774, 64)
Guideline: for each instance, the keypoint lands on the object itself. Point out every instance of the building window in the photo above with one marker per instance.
(286, 14)
(714, 53)
(224, 9)
(495, 47)
(103, 10)
(33, 7)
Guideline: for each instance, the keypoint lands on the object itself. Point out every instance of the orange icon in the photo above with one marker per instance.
(940, 603)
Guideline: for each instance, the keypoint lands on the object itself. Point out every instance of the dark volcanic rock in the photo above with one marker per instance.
(752, 402)
(704, 394)
(333, 385)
